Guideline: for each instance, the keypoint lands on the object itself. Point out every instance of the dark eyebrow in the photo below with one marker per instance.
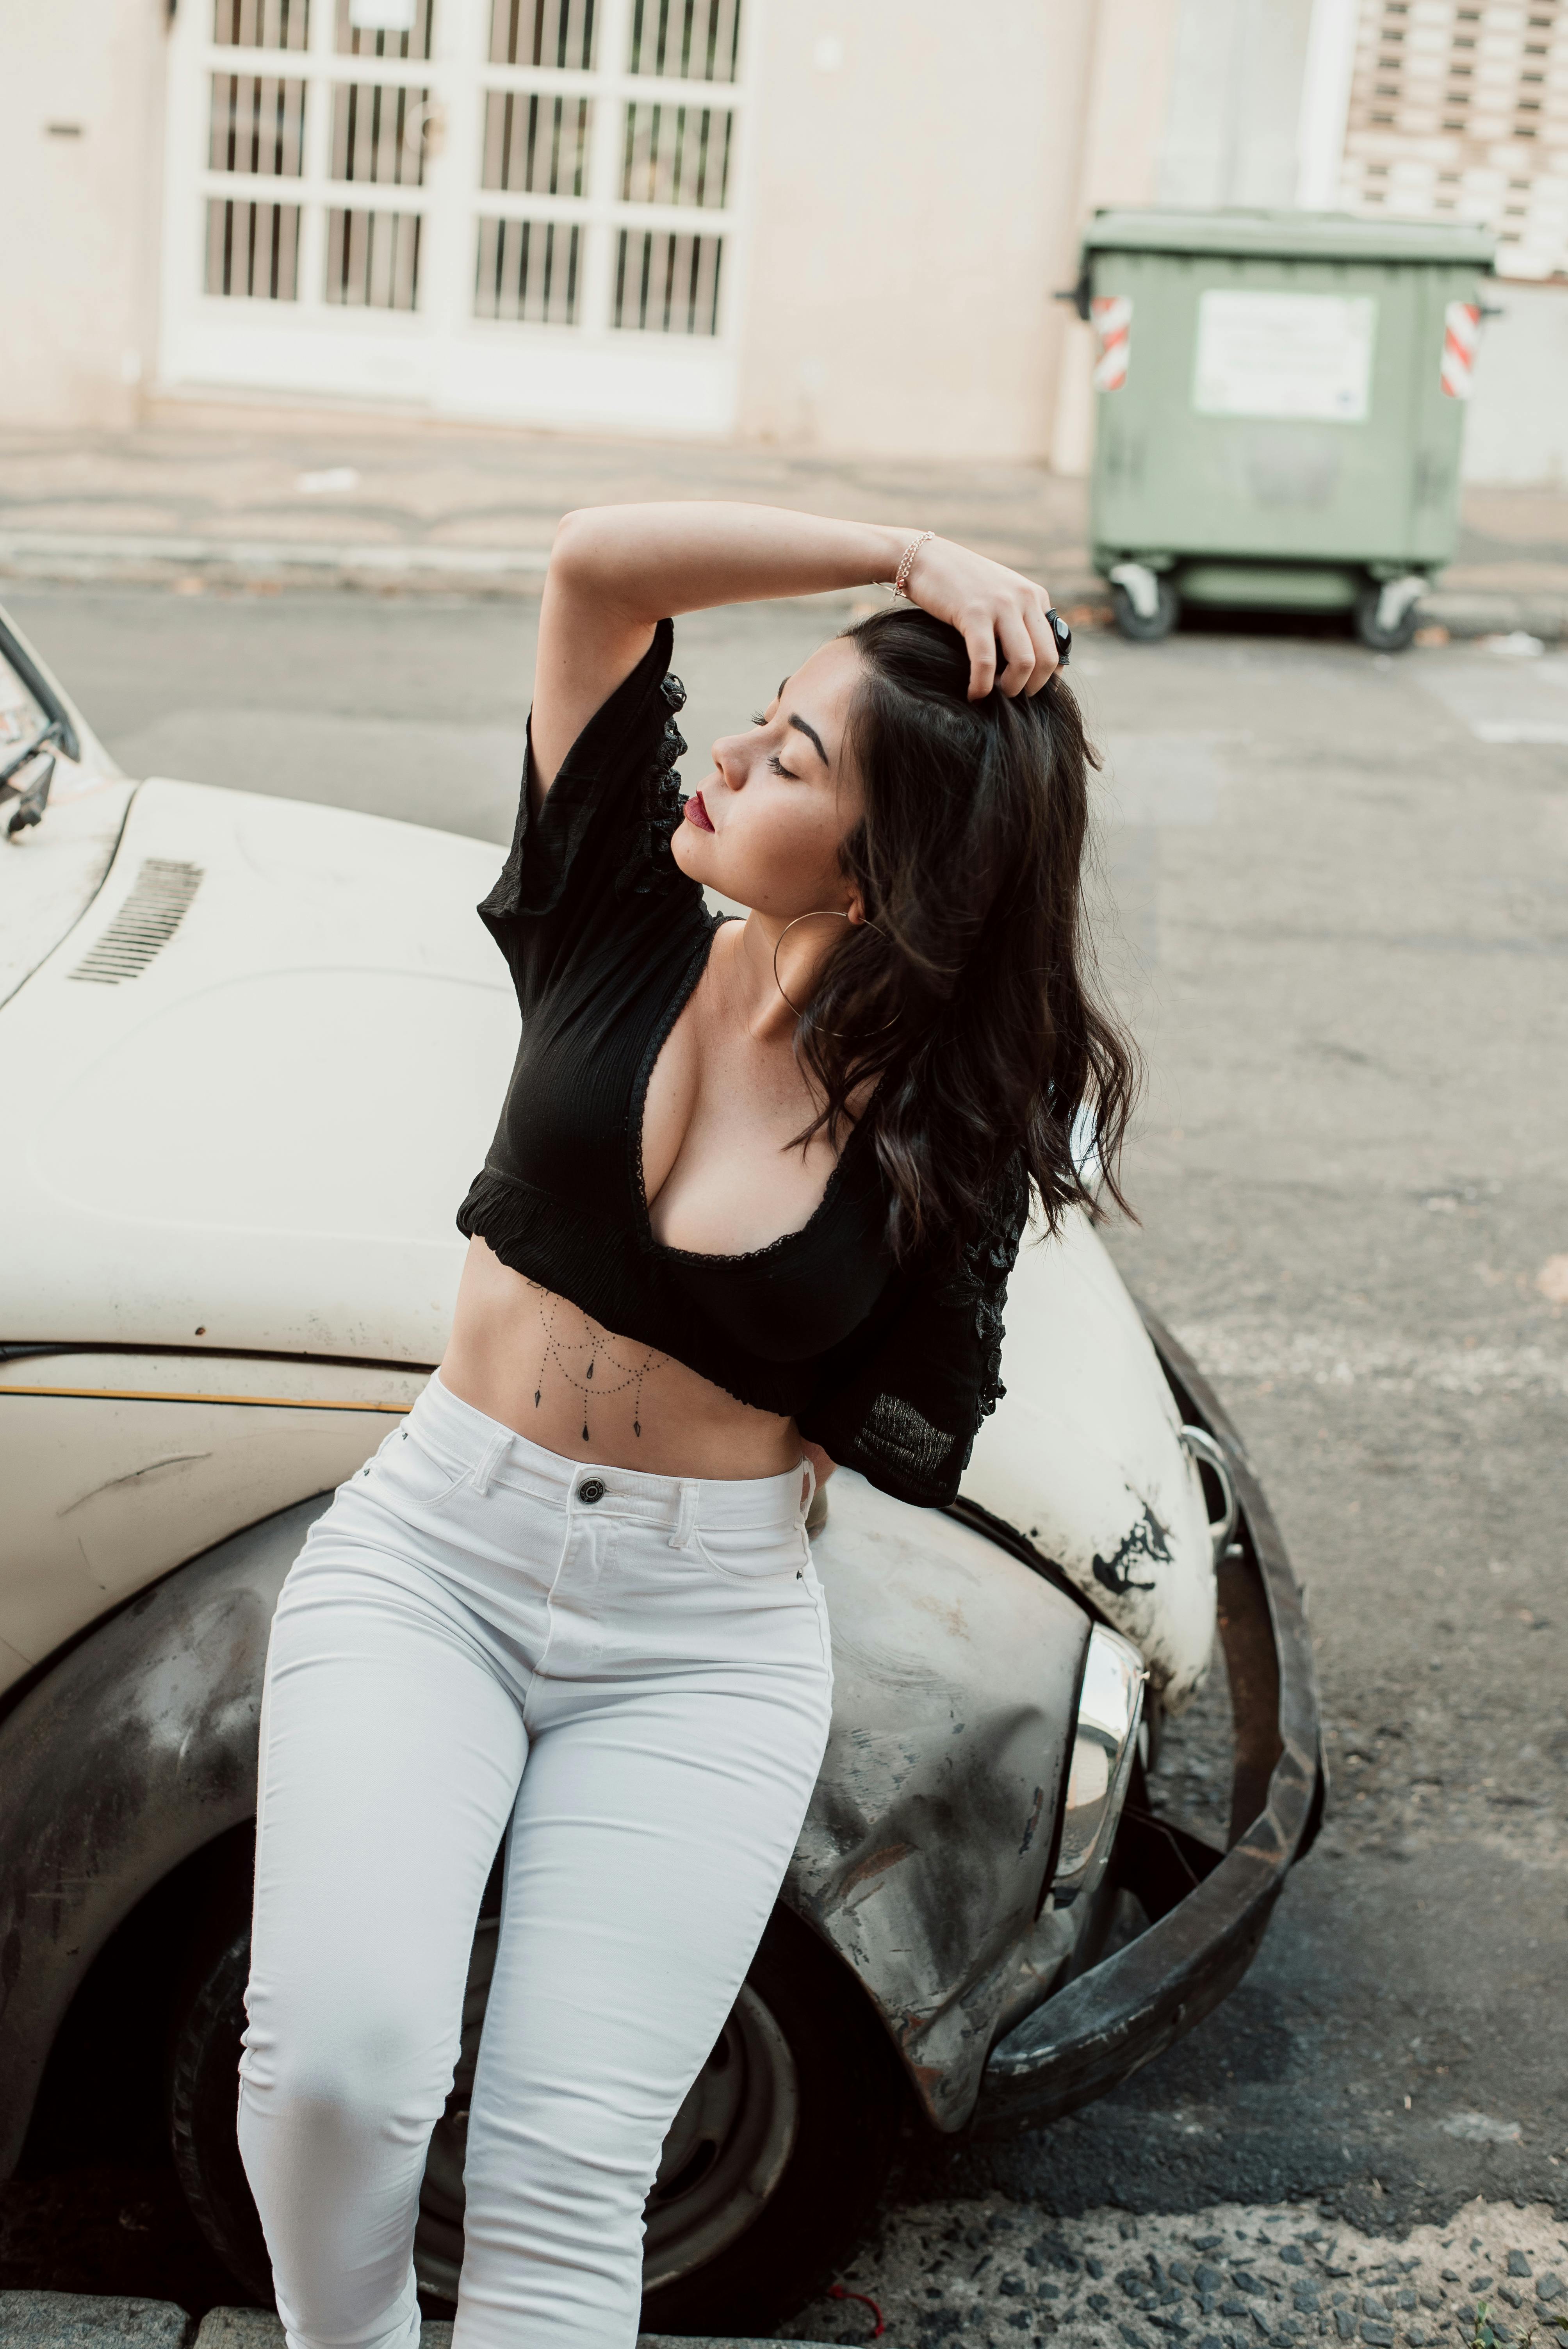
(812, 736)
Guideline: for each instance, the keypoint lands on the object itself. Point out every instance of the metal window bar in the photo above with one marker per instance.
(253, 250)
(378, 133)
(535, 144)
(676, 155)
(351, 40)
(261, 24)
(529, 272)
(667, 283)
(685, 40)
(372, 259)
(257, 125)
(557, 32)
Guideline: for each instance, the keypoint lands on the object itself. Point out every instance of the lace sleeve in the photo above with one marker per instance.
(902, 1400)
(981, 1283)
(648, 865)
(593, 864)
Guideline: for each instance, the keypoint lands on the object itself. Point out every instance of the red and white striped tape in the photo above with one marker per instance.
(1461, 333)
(1112, 317)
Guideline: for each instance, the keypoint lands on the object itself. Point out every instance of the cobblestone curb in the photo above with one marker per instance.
(80, 2320)
(73, 2320)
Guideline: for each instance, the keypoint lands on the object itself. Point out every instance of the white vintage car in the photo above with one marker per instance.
(250, 1053)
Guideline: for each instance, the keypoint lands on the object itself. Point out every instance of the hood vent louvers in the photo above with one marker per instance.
(149, 918)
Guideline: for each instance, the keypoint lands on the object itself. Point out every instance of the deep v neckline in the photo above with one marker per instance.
(662, 1030)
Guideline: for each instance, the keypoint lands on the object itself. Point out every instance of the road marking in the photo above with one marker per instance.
(1162, 779)
(1503, 703)
(1330, 1357)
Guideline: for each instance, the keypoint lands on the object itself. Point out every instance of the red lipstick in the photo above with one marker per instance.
(697, 815)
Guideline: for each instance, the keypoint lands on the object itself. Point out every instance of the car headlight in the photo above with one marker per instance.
(1111, 1704)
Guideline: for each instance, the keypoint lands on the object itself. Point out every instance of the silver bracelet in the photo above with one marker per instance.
(899, 586)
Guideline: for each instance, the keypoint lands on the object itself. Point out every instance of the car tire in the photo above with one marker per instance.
(773, 2185)
(203, 2094)
(1365, 620)
(851, 2102)
(1153, 628)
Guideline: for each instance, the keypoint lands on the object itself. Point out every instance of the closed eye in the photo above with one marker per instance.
(760, 718)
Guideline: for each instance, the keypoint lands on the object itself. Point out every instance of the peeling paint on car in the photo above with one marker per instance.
(1147, 1539)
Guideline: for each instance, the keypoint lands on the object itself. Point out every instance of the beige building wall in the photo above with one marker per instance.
(915, 178)
(1126, 108)
(83, 108)
(1232, 133)
(1193, 103)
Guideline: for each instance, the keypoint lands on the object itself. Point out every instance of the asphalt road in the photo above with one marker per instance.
(1334, 898)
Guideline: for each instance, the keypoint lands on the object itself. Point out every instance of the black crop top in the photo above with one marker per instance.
(889, 1368)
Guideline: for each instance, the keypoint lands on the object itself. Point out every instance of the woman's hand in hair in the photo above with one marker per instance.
(999, 614)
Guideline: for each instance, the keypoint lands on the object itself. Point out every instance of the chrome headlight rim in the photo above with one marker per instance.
(1104, 1749)
(1205, 1451)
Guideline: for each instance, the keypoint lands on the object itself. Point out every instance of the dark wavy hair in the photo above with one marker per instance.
(969, 858)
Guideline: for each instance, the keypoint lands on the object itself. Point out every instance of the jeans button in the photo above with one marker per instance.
(592, 1490)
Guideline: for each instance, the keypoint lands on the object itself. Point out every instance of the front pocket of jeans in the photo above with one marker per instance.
(416, 1478)
(753, 1554)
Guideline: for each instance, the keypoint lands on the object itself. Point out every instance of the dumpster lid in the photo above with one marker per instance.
(1305, 236)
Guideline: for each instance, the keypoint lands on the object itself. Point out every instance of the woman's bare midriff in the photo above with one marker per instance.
(530, 1358)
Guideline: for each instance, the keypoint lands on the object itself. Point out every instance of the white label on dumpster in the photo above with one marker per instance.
(1304, 355)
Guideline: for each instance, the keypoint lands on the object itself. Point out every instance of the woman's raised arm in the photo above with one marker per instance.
(616, 570)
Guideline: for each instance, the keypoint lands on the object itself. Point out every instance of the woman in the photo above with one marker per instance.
(750, 1212)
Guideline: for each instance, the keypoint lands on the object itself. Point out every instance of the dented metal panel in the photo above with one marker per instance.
(1124, 2011)
(923, 1857)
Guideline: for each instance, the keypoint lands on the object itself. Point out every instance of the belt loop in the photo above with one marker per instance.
(686, 1516)
(494, 1453)
(810, 1485)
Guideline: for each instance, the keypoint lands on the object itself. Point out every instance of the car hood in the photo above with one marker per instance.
(252, 1085)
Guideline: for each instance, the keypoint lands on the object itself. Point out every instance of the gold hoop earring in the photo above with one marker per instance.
(778, 983)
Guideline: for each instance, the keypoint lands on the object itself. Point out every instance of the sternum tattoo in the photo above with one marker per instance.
(589, 1364)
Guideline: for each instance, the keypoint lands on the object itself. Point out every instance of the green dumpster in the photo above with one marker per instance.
(1278, 404)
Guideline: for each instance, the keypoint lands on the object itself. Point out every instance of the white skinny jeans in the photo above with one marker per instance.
(635, 1672)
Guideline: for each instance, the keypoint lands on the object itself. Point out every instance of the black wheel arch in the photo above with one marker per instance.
(135, 1753)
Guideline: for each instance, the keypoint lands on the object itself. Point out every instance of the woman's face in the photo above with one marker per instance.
(764, 828)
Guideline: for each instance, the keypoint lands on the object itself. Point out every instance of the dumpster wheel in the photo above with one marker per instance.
(1146, 627)
(1378, 634)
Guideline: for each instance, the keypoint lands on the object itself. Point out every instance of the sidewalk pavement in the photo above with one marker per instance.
(238, 495)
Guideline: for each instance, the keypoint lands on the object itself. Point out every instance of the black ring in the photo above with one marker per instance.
(1064, 636)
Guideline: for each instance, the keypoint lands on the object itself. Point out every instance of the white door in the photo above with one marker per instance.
(526, 210)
